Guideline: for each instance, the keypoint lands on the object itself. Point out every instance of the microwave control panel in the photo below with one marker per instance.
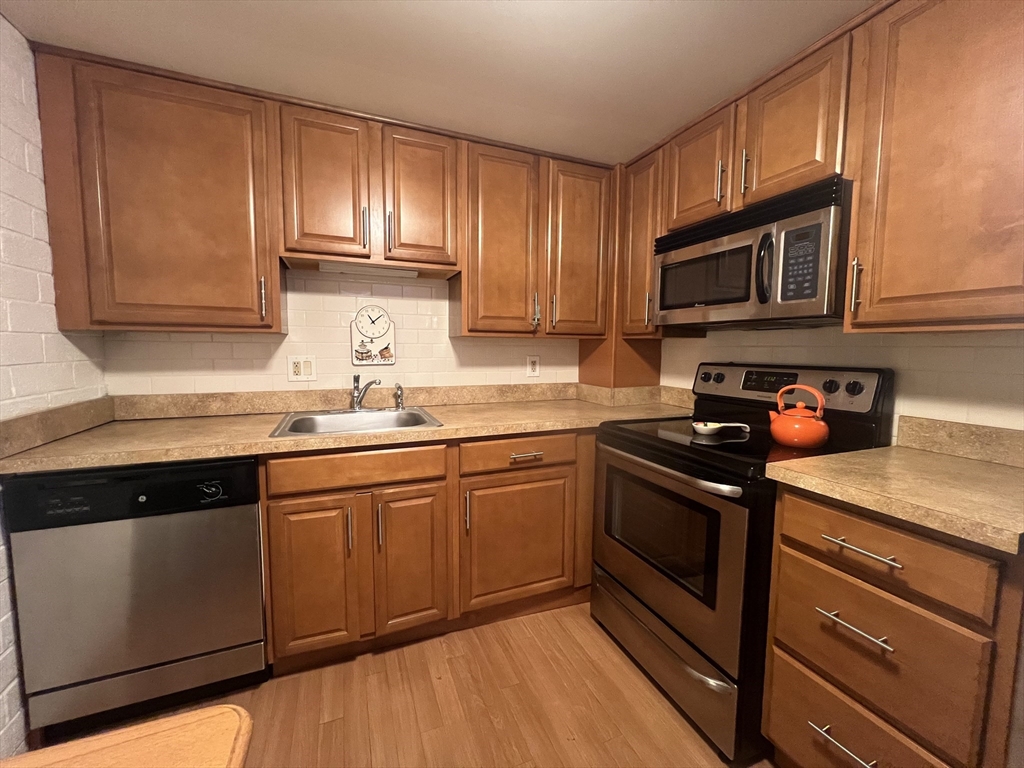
(801, 255)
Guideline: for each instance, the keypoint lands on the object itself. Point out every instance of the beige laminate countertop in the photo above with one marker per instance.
(977, 501)
(155, 440)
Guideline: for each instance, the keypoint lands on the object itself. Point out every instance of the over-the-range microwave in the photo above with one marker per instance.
(775, 264)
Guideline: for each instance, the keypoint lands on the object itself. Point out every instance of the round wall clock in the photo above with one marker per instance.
(373, 337)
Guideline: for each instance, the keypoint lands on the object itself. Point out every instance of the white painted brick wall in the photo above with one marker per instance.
(320, 309)
(973, 377)
(39, 367)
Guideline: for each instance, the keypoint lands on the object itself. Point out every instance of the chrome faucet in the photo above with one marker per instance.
(400, 396)
(358, 394)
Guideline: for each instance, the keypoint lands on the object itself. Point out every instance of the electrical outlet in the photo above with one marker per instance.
(301, 368)
(533, 365)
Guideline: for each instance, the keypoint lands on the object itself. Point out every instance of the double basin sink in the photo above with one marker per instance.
(365, 420)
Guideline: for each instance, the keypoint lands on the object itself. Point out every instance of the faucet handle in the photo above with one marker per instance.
(355, 381)
(400, 396)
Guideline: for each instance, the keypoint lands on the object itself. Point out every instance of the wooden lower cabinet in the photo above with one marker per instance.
(313, 577)
(410, 556)
(518, 535)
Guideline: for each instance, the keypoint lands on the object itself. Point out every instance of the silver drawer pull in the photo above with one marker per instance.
(530, 455)
(879, 641)
(825, 732)
(841, 542)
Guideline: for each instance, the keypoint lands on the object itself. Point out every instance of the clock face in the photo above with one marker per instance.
(372, 322)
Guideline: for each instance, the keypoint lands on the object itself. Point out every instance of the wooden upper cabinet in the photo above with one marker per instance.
(791, 128)
(518, 535)
(313, 572)
(500, 275)
(577, 248)
(641, 212)
(327, 164)
(158, 194)
(410, 556)
(419, 196)
(698, 180)
(937, 151)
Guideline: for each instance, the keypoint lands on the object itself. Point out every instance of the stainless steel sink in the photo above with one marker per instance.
(366, 420)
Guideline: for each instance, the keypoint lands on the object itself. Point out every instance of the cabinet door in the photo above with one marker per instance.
(174, 192)
(577, 248)
(501, 265)
(793, 131)
(697, 178)
(419, 195)
(517, 535)
(410, 557)
(641, 213)
(937, 93)
(327, 166)
(313, 573)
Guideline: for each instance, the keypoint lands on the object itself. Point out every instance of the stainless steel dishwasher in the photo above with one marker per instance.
(132, 583)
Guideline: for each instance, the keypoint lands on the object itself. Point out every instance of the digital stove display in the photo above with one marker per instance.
(767, 381)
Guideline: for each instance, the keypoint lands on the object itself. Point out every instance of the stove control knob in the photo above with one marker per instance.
(854, 388)
(705, 377)
(831, 386)
(719, 378)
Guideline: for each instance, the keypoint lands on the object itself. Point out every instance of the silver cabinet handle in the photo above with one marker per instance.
(366, 224)
(718, 183)
(841, 542)
(536, 310)
(348, 525)
(825, 732)
(879, 641)
(390, 233)
(554, 310)
(647, 309)
(467, 511)
(263, 297)
(855, 270)
(718, 489)
(380, 526)
(530, 455)
(743, 173)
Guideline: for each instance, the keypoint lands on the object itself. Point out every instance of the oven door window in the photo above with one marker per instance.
(718, 278)
(674, 534)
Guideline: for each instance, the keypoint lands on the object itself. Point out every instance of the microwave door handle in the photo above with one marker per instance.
(764, 257)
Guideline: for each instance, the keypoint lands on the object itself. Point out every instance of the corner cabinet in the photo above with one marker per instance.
(641, 224)
(937, 153)
(157, 192)
(790, 130)
(576, 239)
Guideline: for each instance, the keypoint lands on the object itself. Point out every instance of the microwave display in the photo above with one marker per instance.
(801, 254)
(718, 278)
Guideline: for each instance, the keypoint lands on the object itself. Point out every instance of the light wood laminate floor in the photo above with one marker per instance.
(550, 689)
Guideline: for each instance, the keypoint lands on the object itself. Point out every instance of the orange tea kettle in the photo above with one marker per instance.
(799, 427)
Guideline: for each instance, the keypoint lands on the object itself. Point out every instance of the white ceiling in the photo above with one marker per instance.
(599, 80)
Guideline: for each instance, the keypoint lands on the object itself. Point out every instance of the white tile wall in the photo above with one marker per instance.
(977, 378)
(39, 367)
(320, 308)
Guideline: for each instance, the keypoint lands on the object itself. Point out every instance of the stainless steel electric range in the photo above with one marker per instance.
(683, 534)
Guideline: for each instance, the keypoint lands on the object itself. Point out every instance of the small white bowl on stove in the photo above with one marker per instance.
(713, 427)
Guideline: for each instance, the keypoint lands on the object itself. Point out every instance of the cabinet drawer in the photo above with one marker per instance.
(349, 470)
(517, 453)
(960, 579)
(933, 676)
(799, 698)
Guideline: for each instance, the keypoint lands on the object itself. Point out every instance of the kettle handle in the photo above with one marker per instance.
(816, 393)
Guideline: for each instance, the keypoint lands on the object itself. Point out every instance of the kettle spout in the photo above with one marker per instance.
(773, 415)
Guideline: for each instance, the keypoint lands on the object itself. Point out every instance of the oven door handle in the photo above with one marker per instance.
(718, 489)
(715, 685)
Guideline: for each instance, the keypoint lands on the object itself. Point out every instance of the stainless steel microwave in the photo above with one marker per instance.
(777, 264)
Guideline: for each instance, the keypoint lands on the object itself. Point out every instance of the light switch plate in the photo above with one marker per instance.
(301, 367)
(533, 365)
